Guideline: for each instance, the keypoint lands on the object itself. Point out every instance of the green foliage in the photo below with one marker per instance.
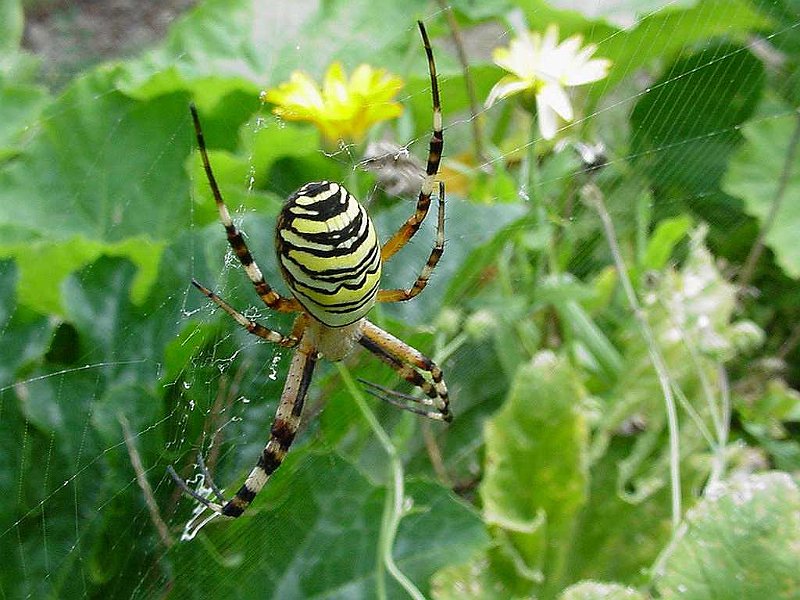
(531, 496)
(740, 542)
(759, 172)
(561, 476)
(300, 542)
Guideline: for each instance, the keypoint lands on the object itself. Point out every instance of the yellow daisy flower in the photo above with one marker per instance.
(343, 109)
(539, 64)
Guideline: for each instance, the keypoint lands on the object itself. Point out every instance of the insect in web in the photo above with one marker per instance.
(330, 258)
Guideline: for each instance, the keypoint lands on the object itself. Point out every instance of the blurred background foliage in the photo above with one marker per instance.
(619, 332)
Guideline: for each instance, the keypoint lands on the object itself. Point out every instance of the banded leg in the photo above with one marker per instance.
(411, 365)
(438, 249)
(269, 296)
(287, 341)
(412, 225)
(282, 434)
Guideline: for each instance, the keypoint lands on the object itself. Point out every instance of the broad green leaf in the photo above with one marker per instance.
(756, 175)
(624, 13)
(666, 33)
(44, 265)
(473, 580)
(24, 335)
(109, 167)
(468, 226)
(619, 538)
(535, 480)
(101, 174)
(740, 541)
(260, 42)
(314, 533)
(20, 107)
(684, 140)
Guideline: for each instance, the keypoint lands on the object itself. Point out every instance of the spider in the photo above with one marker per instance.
(330, 258)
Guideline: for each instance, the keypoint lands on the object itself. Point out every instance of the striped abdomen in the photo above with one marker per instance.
(329, 253)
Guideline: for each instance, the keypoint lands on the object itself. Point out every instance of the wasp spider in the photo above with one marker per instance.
(330, 258)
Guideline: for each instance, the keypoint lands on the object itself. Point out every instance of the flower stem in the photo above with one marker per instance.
(593, 197)
(395, 494)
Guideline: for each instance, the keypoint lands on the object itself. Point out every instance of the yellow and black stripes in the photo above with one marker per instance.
(287, 341)
(328, 252)
(435, 147)
(411, 365)
(282, 433)
(330, 257)
(269, 296)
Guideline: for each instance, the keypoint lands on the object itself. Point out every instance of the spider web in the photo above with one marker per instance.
(114, 367)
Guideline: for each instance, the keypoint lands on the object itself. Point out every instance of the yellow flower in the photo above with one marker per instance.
(540, 65)
(343, 109)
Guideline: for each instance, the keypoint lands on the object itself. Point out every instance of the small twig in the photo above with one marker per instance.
(593, 197)
(790, 344)
(474, 107)
(144, 484)
(435, 455)
(758, 246)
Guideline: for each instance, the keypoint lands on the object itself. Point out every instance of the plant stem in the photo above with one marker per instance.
(395, 494)
(593, 197)
(476, 117)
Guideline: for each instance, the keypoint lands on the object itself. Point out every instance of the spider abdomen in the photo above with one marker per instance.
(329, 253)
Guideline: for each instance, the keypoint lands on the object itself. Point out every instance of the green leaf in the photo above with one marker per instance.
(20, 106)
(44, 265)
(314, 533)
(535, 480)
(666, 33)
(255, 42)
(625, 13)
(663, 241)
(755, 175)
(468, 226)
(684, 140)
(740, 541)
(103, 173)
(11, 25)
(24, 335)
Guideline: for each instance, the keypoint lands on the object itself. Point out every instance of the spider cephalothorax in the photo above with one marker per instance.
(331, 259)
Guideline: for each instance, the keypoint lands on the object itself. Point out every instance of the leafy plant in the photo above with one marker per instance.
(616, 314)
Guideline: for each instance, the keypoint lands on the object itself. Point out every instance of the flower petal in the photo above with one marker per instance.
(593, 70)
(507, 86)
(554, 96)
(548, 122)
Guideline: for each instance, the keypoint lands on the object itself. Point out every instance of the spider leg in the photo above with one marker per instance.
(287, 341)
(190, 492)
(398, 399)
(412, 225)
(269, 296)
(438, 249)
(282, 434)
(411, 365)
(208, 479)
